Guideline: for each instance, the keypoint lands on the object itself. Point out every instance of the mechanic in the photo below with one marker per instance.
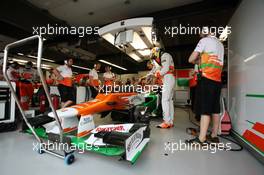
(28, 77)
(193, 85)
(109, 78)
(134, 81)
(51, 79)
(211, 53)
(167, 73)
(150, 77)
(94, 80)
(128, 81)
(1, 68)
(13, 72)
(65, 83)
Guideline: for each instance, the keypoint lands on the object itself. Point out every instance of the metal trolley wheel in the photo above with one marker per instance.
(69, 159)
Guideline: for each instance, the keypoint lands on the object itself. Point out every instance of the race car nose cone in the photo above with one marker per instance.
(65, 113)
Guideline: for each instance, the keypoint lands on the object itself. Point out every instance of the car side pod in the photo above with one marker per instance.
(69, 121)
(41, 145)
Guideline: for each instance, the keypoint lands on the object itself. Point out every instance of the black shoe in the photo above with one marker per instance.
(195, 141)
(212, 139)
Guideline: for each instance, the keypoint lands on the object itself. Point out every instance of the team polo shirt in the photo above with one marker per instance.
(94, 75)
(108, 75)
(66, 73)
(212, 57)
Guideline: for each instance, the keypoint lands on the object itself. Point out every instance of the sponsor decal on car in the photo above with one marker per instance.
(109, 129)
(135, 140)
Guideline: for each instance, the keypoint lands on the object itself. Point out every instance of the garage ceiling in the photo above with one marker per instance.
(100, 12)
(27, 14)
(4, 40)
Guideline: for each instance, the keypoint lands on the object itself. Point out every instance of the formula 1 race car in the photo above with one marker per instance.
(75, 125)
(124, 140)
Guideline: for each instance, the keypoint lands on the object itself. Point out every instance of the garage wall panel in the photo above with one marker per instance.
(246, 73)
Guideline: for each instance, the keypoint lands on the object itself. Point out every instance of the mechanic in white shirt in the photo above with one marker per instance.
(94, 80)
(108, 76)
(64, 76)
(209, 53)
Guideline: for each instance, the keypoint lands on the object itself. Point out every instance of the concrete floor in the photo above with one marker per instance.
(17, 157)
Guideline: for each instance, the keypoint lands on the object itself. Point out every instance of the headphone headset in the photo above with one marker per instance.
(66, 61)
(96, 64)
(109, 67)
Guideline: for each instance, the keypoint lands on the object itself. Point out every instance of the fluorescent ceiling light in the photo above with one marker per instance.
(48, 60)
(109, 37)
(139, 46)
(44, 66)
(106, 62)
(25, 61)
(134, 56)
(145, 52)
(19, 61)
(138, 43)
(31, 56)
(80, 67)
(21, 54)
(148, 33)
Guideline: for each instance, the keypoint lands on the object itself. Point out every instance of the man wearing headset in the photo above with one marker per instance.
(94, 79)
(167, 73)
(65, 87)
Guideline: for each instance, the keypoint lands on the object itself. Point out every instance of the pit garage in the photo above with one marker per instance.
(131, 87)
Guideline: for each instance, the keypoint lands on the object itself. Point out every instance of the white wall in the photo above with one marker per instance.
(246, 66)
